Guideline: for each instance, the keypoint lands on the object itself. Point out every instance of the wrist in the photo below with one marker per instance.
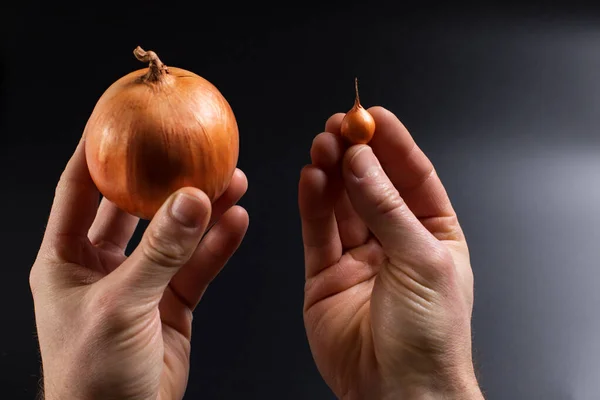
(422, 393)
(456, 387)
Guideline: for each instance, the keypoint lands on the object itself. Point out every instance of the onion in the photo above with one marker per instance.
(156, 130)
(358, 125)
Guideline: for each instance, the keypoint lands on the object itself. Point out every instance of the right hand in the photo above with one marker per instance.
(389, 286)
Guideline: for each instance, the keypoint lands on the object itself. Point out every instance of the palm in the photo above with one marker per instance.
(339, 326)
(163, 359)
(344, 340)
(168, 345)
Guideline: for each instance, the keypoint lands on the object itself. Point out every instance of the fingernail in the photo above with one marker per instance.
(363, 162)
(187, 210)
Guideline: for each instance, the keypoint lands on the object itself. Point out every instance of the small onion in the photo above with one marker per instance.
(156, 130)
(358, 125)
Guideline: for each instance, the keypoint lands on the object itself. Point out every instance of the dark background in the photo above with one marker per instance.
(504, 99)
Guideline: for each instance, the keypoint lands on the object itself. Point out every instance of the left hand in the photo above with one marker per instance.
(118, 327)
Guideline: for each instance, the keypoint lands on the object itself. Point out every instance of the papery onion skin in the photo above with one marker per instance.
(358, 125)
(155, 131)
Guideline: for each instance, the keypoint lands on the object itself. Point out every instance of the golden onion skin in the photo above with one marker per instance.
(147, 138)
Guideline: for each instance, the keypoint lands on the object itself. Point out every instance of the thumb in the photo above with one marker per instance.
(168, 243)
(380, 205)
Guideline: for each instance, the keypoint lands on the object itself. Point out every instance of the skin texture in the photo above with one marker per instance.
(389, 286)
(118, 327)
(388, 294)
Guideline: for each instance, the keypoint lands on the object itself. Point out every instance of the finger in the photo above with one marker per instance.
(322, 246)
(353, 231)
(379, 204)
(334, 123)
(74, 206)
(319, 188)
(167, 244)
(112, 229)
(236, 189)
(327, 153)
(215, 249)
(408, 167)
(328, 148)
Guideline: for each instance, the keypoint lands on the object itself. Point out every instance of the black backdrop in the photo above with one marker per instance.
(504, 99)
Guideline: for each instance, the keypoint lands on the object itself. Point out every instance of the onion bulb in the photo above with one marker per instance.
(156, 130)
(358, 125)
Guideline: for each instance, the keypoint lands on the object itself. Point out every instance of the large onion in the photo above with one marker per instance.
(156, 130)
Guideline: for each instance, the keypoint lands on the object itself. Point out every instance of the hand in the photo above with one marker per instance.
(389, 287)
(118, 327)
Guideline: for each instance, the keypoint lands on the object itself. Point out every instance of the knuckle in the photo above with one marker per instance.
(162, 250)
(388, 200)
(34, 279)
(63, 185)
(440, 260)
(109, 310)
(60, 185)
